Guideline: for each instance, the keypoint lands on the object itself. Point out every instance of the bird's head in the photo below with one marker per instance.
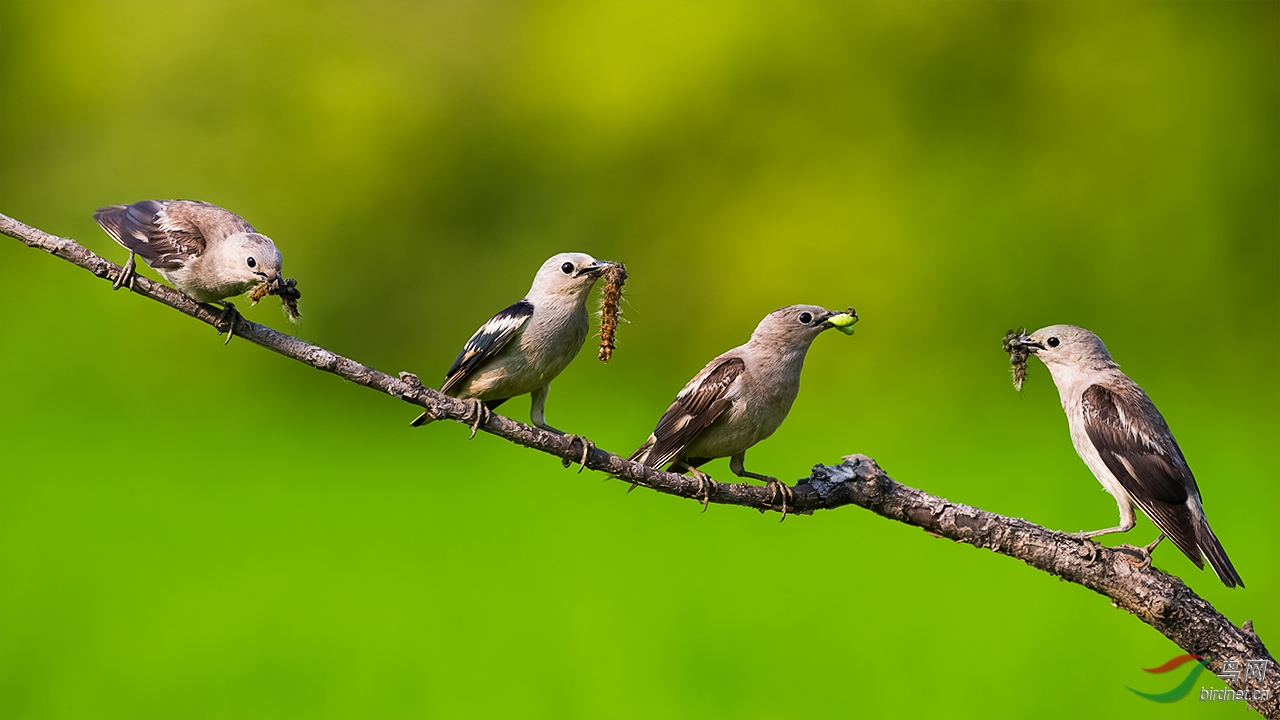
(250, 258)
(797, 325)
(567, 275)
(1065, 346)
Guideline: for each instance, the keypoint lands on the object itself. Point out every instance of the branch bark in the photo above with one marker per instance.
(1161, 600)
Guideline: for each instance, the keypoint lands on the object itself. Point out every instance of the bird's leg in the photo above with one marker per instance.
(538, 416)
(775, 487)
(706, 486)
(1127, 521)
(230, 316)
(127, 275)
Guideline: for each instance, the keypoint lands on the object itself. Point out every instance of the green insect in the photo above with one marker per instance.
(844, 321)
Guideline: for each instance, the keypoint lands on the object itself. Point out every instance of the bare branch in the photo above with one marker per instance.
(1157, 598)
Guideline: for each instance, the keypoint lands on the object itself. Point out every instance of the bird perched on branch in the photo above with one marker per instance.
(208, 253)
(739, 399)
(524, 347)
(1125, 442)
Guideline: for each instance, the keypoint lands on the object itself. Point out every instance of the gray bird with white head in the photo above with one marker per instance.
(1125, 442)
(208, 253)
(740, 398)
(523, 348)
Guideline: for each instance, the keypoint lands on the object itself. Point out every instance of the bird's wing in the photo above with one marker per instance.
(698, 405)
(1137, 447)
(487, 342)
(167, 233)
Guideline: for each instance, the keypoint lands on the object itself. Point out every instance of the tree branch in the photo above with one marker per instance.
(1157, 598)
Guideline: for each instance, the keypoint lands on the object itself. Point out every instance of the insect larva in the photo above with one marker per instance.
(288, 291)
(1017, 356)
(610, 299)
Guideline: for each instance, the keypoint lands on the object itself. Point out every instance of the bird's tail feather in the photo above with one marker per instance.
(641, 455)
(1217, 557)
(422, 419)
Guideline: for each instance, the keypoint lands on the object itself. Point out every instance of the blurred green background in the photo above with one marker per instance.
(173, 546)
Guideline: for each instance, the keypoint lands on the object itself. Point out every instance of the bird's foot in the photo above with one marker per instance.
(587, 447)
(1086, 544)
(777, 488)
(706, 487)
(229, 318)
(1142, 554)
(481, 412)
(127, 275)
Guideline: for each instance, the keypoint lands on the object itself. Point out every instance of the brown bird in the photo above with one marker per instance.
(740, 398)
(208, 253)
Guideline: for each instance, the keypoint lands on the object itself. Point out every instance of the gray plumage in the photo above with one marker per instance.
(208, 253)
(1125, 442)
(739, 398)
(524, 347)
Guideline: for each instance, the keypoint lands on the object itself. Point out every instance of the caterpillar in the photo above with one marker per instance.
(614, 276)
(288, 291)
(1017, 356)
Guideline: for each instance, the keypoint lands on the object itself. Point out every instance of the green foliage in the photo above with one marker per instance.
(188, 530)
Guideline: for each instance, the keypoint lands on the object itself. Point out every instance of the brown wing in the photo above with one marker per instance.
(168, 233)
(1137, 447)
(698, 405)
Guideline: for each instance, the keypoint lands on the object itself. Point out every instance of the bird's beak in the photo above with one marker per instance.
(593, 270)
(842, 320)
(1028, 343)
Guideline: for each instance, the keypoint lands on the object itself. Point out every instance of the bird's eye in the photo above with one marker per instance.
(805, 318)
(252, 262)
(567, 268)
(1054, 342)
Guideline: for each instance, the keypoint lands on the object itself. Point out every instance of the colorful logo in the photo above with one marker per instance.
(1184, 687)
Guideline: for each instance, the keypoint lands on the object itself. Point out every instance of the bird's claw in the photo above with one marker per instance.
(1142, 553)
(706, 487)
(1087, 544)
(127, 275)
(229, 317)
(776, 487)
(587, 447)
(481, 412)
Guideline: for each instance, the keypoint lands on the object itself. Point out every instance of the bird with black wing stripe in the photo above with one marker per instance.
(524, 347)
(1125, 442)
(208, 253)
(739, 399)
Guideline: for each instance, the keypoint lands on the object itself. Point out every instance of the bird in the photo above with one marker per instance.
(526, 345)
(1124, 440)
(208, 253)
(740, 398)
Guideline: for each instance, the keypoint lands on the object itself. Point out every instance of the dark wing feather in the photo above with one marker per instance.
(1144, 457)
(697, 406)
(165, 233)
(487, 342)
